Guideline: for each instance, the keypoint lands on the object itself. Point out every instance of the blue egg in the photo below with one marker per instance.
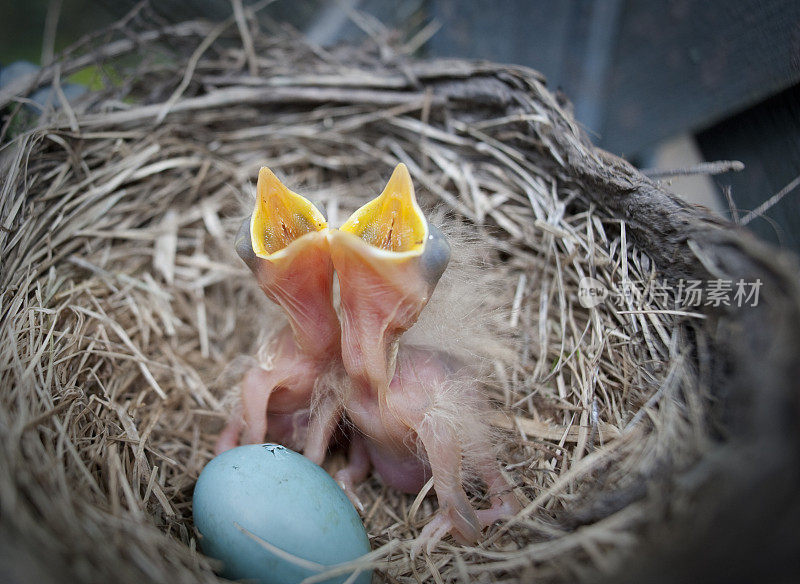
(270, 493)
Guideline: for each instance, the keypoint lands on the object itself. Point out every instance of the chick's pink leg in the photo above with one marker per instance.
(356, 470)
(257, 386)
(324, 418)
(249, 419)
(503, 502)
(229, 437)
(456, 514)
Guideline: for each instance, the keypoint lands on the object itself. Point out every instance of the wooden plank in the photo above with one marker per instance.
(535, 34)
(684, 65)
(663, 68)
(767, 139)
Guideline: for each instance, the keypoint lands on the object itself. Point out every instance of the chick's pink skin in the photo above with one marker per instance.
(396, 395)
(413, 435)
(301, 282)
(380, 300)
(397, 401)
(275, 402)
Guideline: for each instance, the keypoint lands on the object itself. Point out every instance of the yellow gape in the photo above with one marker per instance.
(392, 221)
(280, 216)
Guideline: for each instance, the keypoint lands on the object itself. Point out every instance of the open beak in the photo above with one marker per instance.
(389, 260)
(284, 243)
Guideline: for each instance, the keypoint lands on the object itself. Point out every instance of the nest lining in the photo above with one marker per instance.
(124, 305)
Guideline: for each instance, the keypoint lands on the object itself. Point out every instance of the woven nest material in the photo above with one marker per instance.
(125, 310)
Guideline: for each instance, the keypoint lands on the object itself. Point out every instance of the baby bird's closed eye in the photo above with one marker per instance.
(406, 404)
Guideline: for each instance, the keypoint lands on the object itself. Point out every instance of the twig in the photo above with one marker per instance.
(711, 168)
(734, 211)
(62, 99)
(50, 28)
(249, 95)
(32, 81)
(191, 65)
(247, 39)
(769, 203)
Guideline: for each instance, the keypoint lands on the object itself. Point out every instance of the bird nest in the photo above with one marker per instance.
(126, 314)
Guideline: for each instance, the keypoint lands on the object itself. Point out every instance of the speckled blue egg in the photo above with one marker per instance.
(284, 499)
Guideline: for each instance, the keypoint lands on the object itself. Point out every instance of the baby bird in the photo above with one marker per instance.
(285, 244)
(415, 413)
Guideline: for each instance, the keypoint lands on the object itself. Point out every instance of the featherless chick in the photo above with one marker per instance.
(414, 412)
(285, 244)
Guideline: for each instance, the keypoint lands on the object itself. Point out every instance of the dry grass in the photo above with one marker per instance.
(124, 306)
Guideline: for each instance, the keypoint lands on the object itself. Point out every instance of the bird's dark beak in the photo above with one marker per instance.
(389, 260)
(284, 243)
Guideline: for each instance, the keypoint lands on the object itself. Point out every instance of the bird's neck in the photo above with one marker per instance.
(316, 335)
(303, 287)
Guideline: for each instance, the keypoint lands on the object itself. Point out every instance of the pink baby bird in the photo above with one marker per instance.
(285, 244)
(415, 413)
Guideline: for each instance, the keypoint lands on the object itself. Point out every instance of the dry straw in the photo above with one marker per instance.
(125, 313)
